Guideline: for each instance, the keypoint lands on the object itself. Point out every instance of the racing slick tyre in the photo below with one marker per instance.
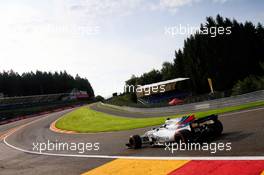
(183, 136)
(135, 142)
(217, 128)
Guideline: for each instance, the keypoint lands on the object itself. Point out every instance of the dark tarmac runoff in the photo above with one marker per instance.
(243, 129)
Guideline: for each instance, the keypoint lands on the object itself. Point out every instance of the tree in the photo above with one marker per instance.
(30, 83)
(167, 71)
(225, 58)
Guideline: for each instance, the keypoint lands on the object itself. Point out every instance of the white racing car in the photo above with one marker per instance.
(185, 129)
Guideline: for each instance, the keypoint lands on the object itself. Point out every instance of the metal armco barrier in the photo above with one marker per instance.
(200, 106)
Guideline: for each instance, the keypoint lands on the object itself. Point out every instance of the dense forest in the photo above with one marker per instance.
(35, 83)
(227, 59)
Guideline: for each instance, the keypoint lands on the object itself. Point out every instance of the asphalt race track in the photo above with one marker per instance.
(244, 129)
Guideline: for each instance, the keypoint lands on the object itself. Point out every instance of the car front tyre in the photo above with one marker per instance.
(135, 142)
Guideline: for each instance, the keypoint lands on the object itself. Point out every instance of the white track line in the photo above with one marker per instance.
(130, 157)
(139, 157)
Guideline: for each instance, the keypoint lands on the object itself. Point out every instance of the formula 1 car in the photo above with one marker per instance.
(185, 129)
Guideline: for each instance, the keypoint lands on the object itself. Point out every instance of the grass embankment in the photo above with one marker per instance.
(87, 120)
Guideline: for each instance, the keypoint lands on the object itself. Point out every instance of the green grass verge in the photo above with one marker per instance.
(85, 119)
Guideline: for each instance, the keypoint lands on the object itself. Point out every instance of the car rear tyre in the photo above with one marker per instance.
(135, 142)
(183, 136)
(217, 128)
